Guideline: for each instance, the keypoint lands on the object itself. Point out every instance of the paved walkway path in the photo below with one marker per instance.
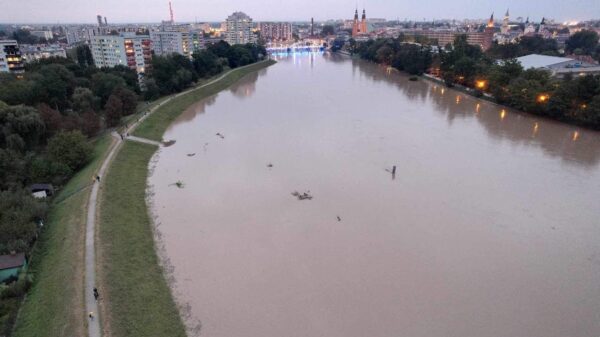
(90, 252)
(143, 140)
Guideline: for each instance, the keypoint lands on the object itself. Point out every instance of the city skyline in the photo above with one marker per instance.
(37, 11)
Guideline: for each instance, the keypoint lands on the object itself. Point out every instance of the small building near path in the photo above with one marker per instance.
(11, 265)
(41, 190)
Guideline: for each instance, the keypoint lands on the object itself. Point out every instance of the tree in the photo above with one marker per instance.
(19, 212)
(128, 98)
(327, 30)
(206, 63)
(84, 100)
(585, 40)
(70, 148)
(84, 56)
(21, 127)
(90, 123)
(152, 91)
(52, 119)
(113, 110)
(104, 84)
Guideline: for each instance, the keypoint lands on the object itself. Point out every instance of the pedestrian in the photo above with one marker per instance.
(91, 315)
(96, 294)
(98, 178)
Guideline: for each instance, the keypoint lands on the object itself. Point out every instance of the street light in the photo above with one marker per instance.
(543, 98)
(480, 84)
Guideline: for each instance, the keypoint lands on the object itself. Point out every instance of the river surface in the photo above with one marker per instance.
(490, 228)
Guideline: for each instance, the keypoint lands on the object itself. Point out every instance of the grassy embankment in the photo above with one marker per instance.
(55, 304)
(137, 297)
(156, 124)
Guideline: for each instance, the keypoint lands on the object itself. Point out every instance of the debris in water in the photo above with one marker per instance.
(179, 184)
(191, 154)
(270, 165)
(220, 135)
(302, 196)
(167, 143)
(339, 219)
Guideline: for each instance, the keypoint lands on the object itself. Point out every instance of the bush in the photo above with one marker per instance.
(70, 148)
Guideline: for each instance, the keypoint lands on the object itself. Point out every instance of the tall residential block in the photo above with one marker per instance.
(239, 29)
(126, 49)
(10, 57)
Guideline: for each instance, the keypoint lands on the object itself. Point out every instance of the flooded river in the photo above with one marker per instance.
(490, 228)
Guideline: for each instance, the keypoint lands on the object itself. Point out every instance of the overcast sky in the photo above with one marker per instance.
(118, 11)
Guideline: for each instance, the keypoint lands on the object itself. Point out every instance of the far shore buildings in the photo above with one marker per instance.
(276, 31)
(31, 53)
(11, 60)
(126, 49)
(239, 29)
(444, 37)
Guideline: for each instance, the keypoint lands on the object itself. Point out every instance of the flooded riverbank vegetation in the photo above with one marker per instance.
(138, 299)
(572, 99)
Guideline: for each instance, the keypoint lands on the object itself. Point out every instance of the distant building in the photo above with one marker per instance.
(32, 53)
(446, 36)
(177, 39)
(168, 42)
(239, 29)
(10, 57)
(126, 49)
(43, 34)
(280, 31)
(505, 28)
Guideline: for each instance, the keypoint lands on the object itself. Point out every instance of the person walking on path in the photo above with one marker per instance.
(96, 294)
(98, 178)
(91, 315)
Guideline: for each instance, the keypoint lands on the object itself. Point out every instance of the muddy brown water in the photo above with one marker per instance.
(491, 226)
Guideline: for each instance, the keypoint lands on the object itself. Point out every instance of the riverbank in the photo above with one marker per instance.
(55, 304)
(135, 295)
(155, 125)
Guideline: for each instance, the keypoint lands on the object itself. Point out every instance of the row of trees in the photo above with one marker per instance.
(174, 73)
(570, 99)
(575, 100)
(47, 115)
(410, 57)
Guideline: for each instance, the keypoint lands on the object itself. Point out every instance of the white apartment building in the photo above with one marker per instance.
(276, 31)
(171, 42)
(239, 29)
(10, 57)
(127, 49)
(32, 53)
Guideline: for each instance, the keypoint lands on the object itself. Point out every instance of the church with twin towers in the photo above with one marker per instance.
(359, 27)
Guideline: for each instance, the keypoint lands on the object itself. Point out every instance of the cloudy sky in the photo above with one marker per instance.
(117, 11)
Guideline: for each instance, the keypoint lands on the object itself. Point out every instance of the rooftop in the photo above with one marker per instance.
(12, 260)
(540, 61)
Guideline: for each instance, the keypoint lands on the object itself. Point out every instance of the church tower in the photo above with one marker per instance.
(355, 28)
(363, 23)
(488, 33)
(505, 27)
